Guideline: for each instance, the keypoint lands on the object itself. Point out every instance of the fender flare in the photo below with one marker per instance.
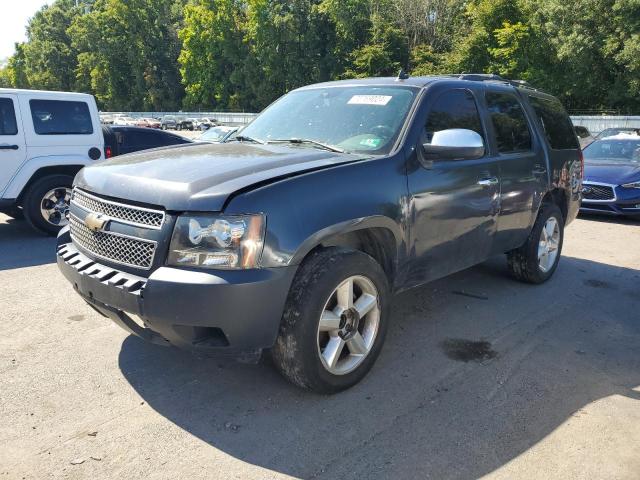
(29, 168)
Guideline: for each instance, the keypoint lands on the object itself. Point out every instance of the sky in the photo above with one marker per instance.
(13, 22)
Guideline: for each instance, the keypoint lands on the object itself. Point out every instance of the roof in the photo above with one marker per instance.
(423, 81)
(20, 91)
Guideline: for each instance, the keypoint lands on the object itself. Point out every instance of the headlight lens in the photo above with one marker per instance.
(217, 242)
(631, 185)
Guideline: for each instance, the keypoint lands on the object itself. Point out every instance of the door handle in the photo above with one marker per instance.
(488, 182)
(539, 169)
(9, 147)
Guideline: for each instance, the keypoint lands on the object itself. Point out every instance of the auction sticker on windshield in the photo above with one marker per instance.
(381, 100)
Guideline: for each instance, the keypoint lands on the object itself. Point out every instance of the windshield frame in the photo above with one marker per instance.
(401, 133)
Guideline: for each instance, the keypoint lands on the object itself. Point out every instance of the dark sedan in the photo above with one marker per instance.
(119, 140)
(612, 176)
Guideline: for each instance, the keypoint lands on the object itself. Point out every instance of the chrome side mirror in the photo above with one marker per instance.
(454, 144)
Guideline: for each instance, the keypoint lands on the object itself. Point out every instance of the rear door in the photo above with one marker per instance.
(12, 141)
(523, 166)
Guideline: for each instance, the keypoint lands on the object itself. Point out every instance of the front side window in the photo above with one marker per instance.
(8, 124)
(364, 119)
(56, 117)
(453, 109)
(510, 124)
(556, 124)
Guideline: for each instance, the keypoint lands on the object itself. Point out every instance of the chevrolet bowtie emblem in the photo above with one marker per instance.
(96, 222)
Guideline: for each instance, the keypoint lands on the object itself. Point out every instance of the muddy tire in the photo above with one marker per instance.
(335, 321)
(537, 260)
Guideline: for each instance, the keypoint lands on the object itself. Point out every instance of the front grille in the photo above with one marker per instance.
(138, 216)
(113, 247)
(597, 192)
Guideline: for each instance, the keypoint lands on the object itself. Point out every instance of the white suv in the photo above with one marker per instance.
(45, 139)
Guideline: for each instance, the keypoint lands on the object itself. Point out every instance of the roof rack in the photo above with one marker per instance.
(492, 77)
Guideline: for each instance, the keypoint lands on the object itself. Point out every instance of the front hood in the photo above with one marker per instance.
(200, 177)
(615, 174)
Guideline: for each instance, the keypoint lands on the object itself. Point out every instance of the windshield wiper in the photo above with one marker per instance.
(300, 141)
(244, 138)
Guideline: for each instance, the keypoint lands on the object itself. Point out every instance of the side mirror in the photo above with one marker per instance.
(454, 144)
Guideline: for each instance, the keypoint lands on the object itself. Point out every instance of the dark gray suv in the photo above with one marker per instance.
(292, 237)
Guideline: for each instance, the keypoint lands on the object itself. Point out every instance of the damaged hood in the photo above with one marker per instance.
(201, 177)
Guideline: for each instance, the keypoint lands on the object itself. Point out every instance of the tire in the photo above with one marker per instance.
(524, 263)
(300, 347)
(35, 198)
(163, 127)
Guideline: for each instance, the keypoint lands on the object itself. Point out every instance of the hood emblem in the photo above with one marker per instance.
(586, 190)
(96, 222)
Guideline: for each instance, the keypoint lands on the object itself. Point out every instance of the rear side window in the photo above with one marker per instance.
(555, 123)
(454, 109)
(8, 124)
(509, 123)
(56, 117)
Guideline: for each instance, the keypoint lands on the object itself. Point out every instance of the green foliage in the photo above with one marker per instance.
(243, 54)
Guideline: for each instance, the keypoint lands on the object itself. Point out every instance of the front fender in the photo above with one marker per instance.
(31, 166)
(348, 226)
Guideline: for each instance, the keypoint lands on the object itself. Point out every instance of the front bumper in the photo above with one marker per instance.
(625, 202)
(234, 313)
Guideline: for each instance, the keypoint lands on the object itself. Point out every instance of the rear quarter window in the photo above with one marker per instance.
(555, 122)
(8, 124)
(60, 117)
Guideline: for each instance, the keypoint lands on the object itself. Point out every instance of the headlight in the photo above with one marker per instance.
(217, 242)
(631, 185)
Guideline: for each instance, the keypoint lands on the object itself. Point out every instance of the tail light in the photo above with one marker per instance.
(107, 152)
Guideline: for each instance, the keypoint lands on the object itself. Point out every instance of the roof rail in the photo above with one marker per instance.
(491, 77)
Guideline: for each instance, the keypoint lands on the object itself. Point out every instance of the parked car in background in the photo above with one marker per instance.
(130, 121)
(217, 134)
(610, 132)
(611, 183)
(293, 236)
(106, 119)
(45, 139)
(186, 124)
(148, 123)
(119, 140)
(206, 123)
(169, 122)
(584, 136)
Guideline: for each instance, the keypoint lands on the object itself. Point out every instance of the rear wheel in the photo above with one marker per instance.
(537, 259)
(335, 321)
(46, 203)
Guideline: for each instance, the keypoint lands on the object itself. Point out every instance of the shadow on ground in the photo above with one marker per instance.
(422, 412)
(21, 246)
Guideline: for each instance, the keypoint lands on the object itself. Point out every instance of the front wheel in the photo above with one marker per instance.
(46, 203)
(335, 321)
(537, 259)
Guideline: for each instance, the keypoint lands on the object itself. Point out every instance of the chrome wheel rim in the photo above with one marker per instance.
(348, 325)
(55, 205)
(549, 244)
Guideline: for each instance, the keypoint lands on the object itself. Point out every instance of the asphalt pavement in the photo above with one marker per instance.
(480, 376)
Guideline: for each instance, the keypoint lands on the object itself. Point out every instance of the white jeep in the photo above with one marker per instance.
(45, 139)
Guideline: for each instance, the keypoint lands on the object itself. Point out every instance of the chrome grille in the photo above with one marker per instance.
(138, 216)
(597, 192)
(113, 247)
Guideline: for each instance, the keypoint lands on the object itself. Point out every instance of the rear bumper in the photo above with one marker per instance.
(235, 313)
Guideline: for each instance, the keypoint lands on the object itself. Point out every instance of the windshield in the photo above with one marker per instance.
(619, 149)
(353, 118)
(215, 134)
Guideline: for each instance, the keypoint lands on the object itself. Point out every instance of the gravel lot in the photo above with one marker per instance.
(554, 392)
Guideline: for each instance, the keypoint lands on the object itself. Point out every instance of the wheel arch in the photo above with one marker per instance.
(557, 196)
(377, 236)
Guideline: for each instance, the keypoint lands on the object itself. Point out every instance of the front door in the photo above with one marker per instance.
(12, 144)
(454, 203)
